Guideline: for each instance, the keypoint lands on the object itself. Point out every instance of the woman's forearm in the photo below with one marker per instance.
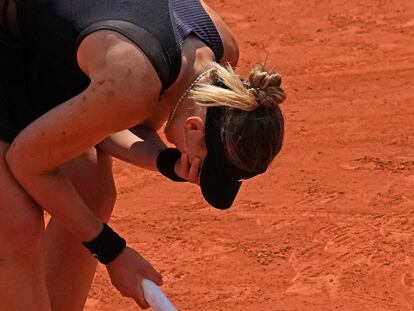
(56, 194)
(139, 146)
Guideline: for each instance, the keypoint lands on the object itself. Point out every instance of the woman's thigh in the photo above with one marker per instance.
(21, 219)
(91, 175)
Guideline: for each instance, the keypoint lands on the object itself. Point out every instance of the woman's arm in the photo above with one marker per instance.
(139, 146)
(121, 94)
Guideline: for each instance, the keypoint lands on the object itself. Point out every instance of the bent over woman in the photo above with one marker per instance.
(82, 81)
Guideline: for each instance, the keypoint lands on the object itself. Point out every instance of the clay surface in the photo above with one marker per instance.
(331, 225)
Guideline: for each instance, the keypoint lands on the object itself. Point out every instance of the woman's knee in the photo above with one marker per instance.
(91, 174)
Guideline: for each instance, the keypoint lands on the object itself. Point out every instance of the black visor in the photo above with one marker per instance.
(220, 180)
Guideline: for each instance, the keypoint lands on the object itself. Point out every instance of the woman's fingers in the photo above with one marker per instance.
(184, 166)
(153, 275)
(139, 298)
(158, 279)
(189, 171)
(194, 171)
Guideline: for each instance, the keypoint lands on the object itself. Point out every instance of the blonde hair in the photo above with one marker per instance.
(263, 89)
(252, 128)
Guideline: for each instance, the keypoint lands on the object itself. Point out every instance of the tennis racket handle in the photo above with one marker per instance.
(155, 297)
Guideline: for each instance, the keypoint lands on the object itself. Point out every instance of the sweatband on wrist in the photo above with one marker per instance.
(166, 162)
(106, 246)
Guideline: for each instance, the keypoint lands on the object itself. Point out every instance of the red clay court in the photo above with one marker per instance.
(331, 225)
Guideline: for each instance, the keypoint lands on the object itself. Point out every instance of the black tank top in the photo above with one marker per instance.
(190, 17)
(53, 29)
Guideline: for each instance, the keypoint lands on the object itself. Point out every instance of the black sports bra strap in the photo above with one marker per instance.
(142, 38)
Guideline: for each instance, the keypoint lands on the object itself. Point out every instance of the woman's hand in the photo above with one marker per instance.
(188, 171)
(126, 273)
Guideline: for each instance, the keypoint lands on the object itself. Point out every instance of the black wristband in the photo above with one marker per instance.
(166, 162)
(106, 246)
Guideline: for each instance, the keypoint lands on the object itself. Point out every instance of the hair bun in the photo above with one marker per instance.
(266, 87)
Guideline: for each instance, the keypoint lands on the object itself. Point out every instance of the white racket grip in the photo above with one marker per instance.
(155, 297)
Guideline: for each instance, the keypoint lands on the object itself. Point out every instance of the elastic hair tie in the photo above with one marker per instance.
(247, 85)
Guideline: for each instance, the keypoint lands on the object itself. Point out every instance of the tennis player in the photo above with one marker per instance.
(83, 81)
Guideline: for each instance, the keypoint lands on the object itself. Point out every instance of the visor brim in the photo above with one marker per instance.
(217, 188)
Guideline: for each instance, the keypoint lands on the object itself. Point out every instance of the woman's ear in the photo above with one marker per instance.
(194, 138)
(195, 124)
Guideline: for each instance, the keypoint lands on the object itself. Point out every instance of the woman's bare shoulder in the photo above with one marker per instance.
(109, 52)
(231, 49)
